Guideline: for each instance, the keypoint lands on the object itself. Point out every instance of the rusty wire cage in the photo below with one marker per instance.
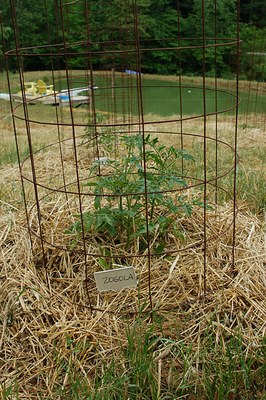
(122, 169)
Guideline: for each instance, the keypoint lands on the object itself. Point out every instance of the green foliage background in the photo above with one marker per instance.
(101, 25)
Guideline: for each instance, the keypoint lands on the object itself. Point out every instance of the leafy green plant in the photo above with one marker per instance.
(133, 199)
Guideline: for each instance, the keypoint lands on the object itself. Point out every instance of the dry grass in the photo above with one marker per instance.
(46, 327)
(45, 310)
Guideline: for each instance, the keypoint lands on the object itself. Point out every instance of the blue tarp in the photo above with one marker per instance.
(130, 72)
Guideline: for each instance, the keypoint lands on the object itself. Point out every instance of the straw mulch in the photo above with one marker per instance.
(45, 321)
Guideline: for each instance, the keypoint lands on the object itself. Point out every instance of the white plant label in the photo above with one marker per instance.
(115, 279)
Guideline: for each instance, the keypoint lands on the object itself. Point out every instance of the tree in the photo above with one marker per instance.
(161, 32)
(254, 12)
(102, 34)
(219, 24)
(32, 20)
(253, 53)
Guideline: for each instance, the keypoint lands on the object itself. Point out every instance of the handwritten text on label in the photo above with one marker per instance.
(115, 279)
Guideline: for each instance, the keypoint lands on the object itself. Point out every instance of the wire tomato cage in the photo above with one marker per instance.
(125, 168)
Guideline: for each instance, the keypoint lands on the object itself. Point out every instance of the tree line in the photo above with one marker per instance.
(109, 31)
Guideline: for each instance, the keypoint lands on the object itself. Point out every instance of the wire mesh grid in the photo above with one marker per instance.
(123, 169)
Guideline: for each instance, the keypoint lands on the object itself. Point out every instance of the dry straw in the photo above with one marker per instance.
(45, 322)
